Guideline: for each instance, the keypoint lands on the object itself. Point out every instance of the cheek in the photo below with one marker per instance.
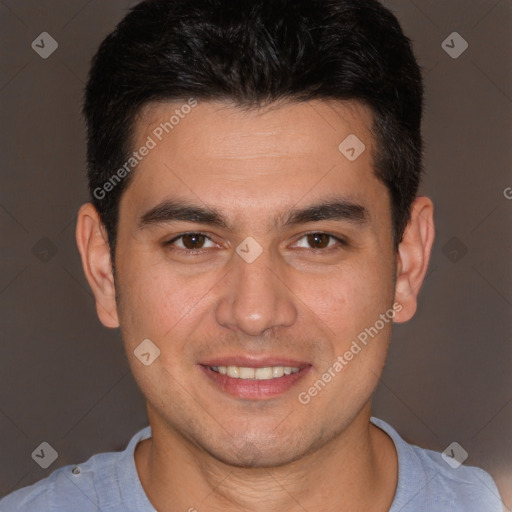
(351, 297)
(162, 305)
(152, 301)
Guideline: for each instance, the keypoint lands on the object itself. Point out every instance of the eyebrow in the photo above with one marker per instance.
(176, 210)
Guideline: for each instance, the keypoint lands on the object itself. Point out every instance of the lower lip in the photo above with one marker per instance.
(253, 389)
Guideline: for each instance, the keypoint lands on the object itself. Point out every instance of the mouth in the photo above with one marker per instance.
(253, 380)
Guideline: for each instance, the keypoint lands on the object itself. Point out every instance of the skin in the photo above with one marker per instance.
(210, 450)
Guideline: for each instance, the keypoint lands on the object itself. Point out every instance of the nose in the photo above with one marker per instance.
(256, 297)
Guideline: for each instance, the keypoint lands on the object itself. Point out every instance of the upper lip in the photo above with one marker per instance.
(254, 361)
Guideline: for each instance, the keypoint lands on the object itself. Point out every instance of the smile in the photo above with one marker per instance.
(263, 373)
(267, 380)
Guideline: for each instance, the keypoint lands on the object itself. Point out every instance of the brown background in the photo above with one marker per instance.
(64, 378)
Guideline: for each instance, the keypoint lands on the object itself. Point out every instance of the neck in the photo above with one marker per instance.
(356, 471)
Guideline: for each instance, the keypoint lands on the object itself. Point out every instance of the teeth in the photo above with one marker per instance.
(277, 371)
(265, 373)
(247, 373)
(234, 371)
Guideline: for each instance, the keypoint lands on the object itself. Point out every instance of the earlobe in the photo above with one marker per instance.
(413, 257)
(92, 241)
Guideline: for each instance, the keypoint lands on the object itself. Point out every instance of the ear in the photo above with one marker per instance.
(92, 241)
(413, 257)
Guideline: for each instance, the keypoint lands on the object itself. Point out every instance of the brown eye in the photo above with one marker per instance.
(321, 241)
(193, 240)
(188, 242)
(318, 240)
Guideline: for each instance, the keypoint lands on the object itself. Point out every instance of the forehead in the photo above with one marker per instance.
(219, 154)
(237, 128)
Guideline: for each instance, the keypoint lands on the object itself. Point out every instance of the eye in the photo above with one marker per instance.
(193, 242)
(190, 242)
(320, 241)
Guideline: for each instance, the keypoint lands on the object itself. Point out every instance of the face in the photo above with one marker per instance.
(273, 283)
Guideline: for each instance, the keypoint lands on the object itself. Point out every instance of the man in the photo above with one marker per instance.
(254, 232)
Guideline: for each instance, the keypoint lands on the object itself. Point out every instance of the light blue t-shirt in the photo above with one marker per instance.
(108, 482)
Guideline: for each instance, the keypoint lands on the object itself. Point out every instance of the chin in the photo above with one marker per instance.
(259, 450)
(251, 457)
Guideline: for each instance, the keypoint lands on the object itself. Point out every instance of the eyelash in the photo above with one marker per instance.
(342, 243)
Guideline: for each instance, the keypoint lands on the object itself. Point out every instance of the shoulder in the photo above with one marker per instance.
(462, 488)
(89, 486)
(69, 487)
(431, 481)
